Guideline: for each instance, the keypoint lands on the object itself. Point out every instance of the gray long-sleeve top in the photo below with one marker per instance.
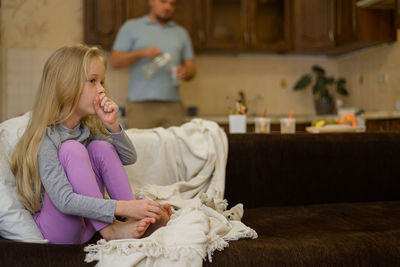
(55, 181)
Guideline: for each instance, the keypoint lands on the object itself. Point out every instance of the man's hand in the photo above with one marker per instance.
(151, 52)
(186, 71)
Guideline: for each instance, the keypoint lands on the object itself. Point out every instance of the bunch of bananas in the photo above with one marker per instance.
(321, 123)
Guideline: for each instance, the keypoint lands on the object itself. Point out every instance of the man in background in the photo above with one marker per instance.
(154, 101)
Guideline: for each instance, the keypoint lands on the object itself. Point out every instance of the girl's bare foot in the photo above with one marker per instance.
(162, 221)
(128, 229)
(167, 207)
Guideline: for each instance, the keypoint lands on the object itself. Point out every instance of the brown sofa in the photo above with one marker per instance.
(314, 200)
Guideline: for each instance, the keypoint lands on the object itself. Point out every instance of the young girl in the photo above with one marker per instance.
(72, 148)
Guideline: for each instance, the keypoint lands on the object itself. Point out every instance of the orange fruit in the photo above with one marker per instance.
(348, 119)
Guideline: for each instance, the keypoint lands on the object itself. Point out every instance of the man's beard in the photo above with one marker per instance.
(163, 20)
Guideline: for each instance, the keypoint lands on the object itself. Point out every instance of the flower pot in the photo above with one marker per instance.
(324, 105)
(237, 124)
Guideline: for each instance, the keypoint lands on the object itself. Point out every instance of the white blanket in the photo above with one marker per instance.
(175, 166)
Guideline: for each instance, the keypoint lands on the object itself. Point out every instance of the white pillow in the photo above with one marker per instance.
(16, 223)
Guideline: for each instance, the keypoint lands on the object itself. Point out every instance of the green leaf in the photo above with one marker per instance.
(340, 87)
(318, 70)
(319, 85)
(329, 80)
(303, 82)
(341, 90)
(341, 81)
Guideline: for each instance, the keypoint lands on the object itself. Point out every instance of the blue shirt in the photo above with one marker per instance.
(173, 39)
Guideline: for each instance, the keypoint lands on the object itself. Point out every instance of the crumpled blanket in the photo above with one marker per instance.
(191, 236)
(176, 165)
(190, 158)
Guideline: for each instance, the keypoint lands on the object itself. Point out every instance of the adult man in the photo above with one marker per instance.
(154, 101)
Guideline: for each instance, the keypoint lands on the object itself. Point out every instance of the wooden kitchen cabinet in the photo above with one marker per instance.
(269, 23)
(224, 24)
(325, 25)
(346, 22)
(337, 26)
(294, 26)
(397, 13)
(103, 18)
(376, 25)
(314, 22)
(251, 25)
(383, 125)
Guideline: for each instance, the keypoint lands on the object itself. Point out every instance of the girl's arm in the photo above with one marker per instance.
(122, 144)
(107, 111)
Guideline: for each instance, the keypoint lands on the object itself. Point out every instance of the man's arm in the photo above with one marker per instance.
(187, 70)
(120, 59)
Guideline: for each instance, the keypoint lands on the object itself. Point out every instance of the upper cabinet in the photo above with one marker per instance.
(293, 26)
(269, 24)
(314, 25)
(103, 18)
(346, 22)
(397, 10)
(337, 26)
(224, 24)
(323, 25)
(261, 25)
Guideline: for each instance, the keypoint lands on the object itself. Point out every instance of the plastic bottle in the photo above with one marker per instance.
(156, 64)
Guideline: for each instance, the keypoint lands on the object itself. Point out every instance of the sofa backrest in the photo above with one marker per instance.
(300, 169)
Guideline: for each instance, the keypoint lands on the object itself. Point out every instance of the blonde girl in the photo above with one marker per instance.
(72, 149)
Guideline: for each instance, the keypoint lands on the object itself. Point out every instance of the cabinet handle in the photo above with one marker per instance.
(339, 17)
(331, 36)
(355, 26)
(246, 37)
(201, 36)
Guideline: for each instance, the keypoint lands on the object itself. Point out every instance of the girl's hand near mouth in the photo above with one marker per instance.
(107, 111)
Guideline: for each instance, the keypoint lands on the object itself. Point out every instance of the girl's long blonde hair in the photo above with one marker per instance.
(60, 88)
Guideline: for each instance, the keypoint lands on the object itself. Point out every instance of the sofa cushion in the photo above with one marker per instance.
(342, 234)
(16, 222)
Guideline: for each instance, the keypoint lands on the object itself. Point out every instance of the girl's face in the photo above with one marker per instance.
(92, 88)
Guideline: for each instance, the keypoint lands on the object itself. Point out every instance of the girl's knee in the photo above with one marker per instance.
(72, 148)
(101, 147)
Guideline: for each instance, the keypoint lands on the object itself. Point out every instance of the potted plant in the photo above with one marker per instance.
(323, 99)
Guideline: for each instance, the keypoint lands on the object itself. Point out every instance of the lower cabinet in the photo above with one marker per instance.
(383, 125)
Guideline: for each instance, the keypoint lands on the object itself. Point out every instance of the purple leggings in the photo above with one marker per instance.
(89, 170)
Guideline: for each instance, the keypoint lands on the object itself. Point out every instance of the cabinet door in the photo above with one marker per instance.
(346, 22)
(225, 24)
(140, 8)
(269, 22)
(376, 25)
(102, 19)
(314, 25)
(186, 16)
(397, 10)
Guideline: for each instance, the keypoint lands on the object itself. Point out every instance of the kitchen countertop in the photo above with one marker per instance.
(370, 115)
(375, 115)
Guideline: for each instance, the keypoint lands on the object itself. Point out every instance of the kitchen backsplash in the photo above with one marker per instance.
(32, 29)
